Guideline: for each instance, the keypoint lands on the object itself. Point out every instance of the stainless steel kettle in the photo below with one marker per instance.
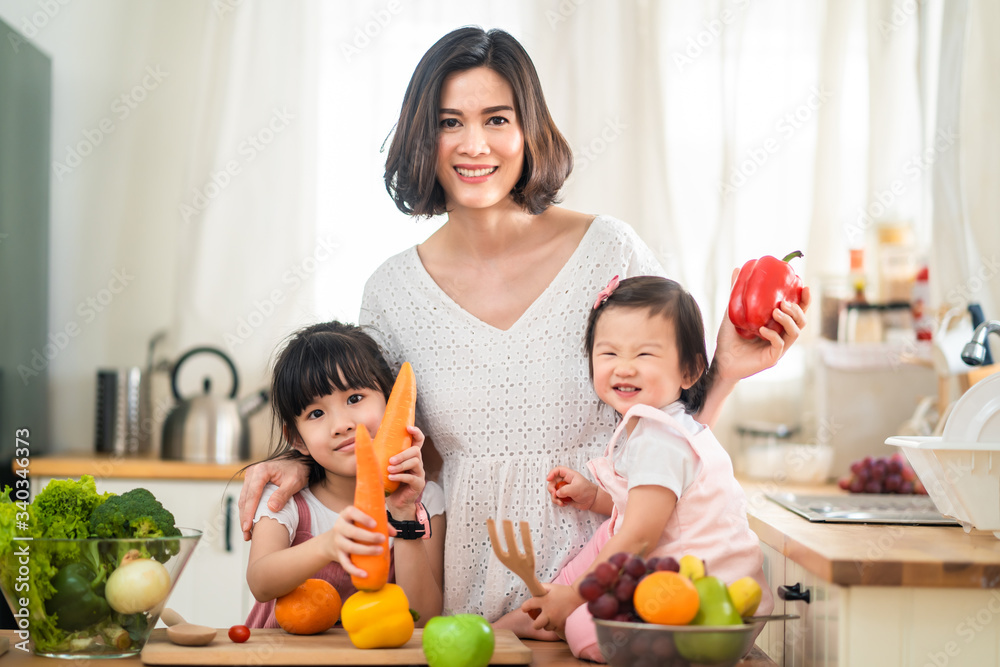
(207, 428)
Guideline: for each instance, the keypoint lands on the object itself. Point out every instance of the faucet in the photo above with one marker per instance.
(974, 352)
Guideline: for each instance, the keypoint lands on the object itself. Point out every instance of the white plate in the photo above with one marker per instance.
(976, 415)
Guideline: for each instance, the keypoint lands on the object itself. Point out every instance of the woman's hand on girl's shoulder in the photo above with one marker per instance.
(407, 468)
(351, 534)
(570, 488)
(289, 476)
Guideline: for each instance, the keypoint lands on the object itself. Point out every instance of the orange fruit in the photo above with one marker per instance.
(311, 608)
(667, 598)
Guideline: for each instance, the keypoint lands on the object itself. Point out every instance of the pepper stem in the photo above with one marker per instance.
(792, 255)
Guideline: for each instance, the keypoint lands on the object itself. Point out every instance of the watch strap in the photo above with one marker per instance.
(412, 530)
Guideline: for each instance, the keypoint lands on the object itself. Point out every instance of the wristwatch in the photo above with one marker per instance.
(412, 530)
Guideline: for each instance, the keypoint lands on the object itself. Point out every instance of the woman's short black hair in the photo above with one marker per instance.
(314, 362)
(411, 166)
(664, 297)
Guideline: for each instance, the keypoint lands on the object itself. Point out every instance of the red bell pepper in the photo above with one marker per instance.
(760, 288)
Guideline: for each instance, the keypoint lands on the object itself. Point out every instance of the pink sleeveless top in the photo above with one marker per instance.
(709, 520)
(262, 613)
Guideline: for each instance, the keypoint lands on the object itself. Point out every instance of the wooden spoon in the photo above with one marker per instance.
(183, 633)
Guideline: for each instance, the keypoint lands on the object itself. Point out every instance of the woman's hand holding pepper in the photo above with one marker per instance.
(737, 358)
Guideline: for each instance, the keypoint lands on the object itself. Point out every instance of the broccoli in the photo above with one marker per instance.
(135, 513)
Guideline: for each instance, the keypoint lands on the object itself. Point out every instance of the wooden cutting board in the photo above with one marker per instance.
(333, 647)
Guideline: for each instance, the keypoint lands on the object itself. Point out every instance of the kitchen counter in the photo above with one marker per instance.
(874, 555)
(885, 595)
(842, 554)
(114, 466)
(544, 654)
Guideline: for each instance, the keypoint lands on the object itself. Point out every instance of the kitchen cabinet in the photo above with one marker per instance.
(886, 596)
(212, 589)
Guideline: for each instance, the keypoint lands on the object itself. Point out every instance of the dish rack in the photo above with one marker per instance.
(961, 468)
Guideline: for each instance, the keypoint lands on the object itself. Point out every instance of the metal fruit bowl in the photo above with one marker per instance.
(32, 564)
(634, 644)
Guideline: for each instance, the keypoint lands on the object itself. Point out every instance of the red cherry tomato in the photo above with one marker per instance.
(560, 484)
(239, 633)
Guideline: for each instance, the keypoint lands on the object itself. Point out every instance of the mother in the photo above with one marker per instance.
(490, 311)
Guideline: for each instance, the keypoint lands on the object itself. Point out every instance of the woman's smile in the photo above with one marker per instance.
(475, 174)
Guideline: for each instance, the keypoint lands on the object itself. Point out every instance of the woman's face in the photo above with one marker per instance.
(480, 143)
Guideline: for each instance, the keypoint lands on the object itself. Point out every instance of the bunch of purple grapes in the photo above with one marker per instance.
(882, 474)
(608, 590)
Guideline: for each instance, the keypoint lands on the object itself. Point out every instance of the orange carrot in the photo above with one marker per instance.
(392, 436)
(369, 497)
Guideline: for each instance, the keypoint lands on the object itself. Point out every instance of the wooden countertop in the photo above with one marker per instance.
(875, 555)
(843, 554)
(131, 467)
(544, 654)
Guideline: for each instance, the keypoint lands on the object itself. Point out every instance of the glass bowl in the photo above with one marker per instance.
(29, 572)
(638, 644)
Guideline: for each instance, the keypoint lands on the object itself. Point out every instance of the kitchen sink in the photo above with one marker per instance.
(914, 510)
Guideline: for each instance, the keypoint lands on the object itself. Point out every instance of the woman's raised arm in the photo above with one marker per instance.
(737, 358)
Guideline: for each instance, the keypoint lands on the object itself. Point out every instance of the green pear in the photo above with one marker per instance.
(715, 608)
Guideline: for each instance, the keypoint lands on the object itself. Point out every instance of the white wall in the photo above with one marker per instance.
(120, 76)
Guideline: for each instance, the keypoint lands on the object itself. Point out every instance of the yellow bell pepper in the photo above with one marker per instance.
(378, 619)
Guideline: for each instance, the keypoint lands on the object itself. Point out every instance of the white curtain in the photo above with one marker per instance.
(248, 245)
(964, 137)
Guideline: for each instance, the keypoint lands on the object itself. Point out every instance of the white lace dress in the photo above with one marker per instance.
(504, 407)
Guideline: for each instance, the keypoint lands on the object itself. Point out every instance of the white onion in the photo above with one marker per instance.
(139, 584)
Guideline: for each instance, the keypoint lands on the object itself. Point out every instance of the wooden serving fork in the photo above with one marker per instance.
(520, 563)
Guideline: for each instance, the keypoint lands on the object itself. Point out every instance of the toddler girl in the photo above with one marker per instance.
(646, 344)
(328, 379)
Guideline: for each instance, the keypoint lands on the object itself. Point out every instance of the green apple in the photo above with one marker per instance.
(463, 640)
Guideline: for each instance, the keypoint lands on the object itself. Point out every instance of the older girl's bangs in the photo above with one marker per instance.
(320, 366)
